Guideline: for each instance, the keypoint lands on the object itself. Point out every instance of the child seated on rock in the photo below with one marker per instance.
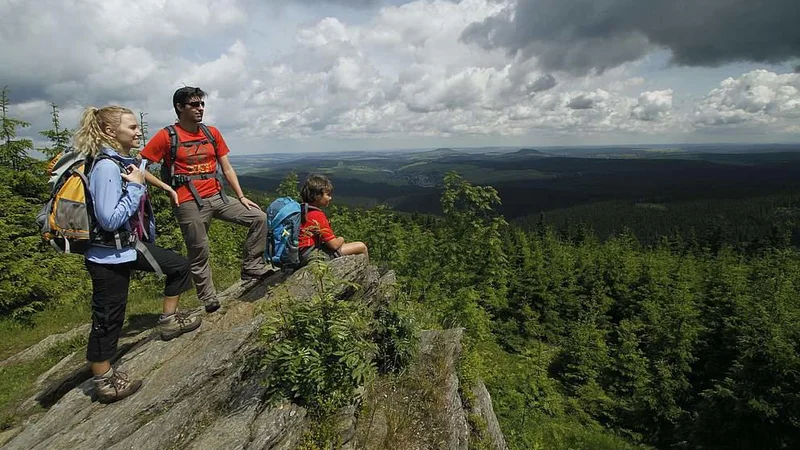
(315, 231)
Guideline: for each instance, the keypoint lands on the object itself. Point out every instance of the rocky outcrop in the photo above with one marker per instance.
(46, 344)
(482, 408)
(204, 390)
(424, 408)
(442, 348)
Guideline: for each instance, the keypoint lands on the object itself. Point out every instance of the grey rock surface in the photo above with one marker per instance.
(443, 348)
(192, 390)
(38, 350)
(484, 409)
(71, 371)
(201, 391)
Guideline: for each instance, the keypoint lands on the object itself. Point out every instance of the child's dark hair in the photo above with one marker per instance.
(184, 94)
(314, 187)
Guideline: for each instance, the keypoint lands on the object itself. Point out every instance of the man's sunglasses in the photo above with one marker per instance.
(196, 104)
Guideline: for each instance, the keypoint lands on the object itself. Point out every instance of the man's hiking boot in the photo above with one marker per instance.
(116, 387)
(176, 324)
(262, 272)
(211, 305)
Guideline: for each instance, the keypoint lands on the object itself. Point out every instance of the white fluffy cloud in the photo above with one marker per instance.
(390, 73)
(759, 98)
(406, 72)
(653, 105)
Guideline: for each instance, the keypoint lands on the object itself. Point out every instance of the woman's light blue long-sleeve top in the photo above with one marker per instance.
(113, 208)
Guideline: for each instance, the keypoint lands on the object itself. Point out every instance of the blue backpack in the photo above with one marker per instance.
(284, 217)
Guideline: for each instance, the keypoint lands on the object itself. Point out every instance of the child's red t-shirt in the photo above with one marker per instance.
(315, 230)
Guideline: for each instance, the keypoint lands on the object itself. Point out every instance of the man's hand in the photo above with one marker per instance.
(173, 195)
(248, 203)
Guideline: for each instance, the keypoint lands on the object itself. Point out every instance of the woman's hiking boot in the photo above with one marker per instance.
(115, 387)
(176, 324)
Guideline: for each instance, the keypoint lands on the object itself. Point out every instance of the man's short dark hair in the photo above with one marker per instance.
(314, 187)
(184, 94)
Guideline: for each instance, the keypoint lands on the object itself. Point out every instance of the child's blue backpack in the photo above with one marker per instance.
(284, 217)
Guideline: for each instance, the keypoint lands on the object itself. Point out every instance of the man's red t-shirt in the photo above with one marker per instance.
(316, 224)
(192, 160)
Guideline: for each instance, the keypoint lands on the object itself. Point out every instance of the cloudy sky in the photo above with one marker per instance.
(290, 75)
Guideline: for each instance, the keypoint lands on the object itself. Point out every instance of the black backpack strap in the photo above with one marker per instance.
(173, 149)
(207, 132)
(174, 143)
(103, 156)
(181, 180)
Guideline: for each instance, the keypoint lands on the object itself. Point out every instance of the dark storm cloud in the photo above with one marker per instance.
(580, 102)
(20, 91)
(583, 35)
(543, 83)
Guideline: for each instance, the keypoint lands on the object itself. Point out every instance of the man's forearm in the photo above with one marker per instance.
(155, 181)
(233, 182)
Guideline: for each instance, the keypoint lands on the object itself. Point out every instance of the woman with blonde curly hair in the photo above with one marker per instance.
(122, 241)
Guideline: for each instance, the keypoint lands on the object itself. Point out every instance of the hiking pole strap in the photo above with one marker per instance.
(140, 247)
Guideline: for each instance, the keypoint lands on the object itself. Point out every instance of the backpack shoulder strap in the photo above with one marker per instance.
(207, 132)
(211, 139)
(92, 161)
(173, 142)
(304, 209)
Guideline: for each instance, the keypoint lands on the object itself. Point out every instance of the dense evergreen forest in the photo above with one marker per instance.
(583, 342)
(748, 224)
(746, 200)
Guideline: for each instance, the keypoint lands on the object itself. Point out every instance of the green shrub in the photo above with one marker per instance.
(319, 351)
(396, 335)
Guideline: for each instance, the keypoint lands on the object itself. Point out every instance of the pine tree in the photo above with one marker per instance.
(59, 138)
(288, 187)
(472, 240)
(13, 152)
(143, 126)
(31, 274)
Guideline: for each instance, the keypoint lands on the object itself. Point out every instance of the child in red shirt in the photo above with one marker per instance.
(315, 231)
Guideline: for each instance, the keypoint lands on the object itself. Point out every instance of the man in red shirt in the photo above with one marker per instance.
(193, 183)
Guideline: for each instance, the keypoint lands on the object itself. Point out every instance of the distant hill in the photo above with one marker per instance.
(435, 154)
(529, 151)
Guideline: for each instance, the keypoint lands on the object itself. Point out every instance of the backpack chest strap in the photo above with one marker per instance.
(186, 180)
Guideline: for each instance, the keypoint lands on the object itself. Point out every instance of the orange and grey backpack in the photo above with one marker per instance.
(67, 219)
(175, 180)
